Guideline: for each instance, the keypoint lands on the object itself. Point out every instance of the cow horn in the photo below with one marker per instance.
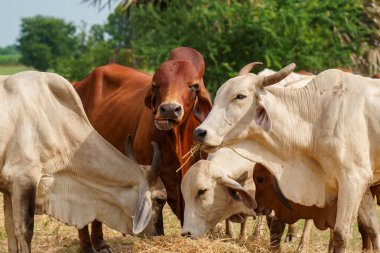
(155, 168)
(247, 68)
(276, 77)
(280, 196)
(129, 148)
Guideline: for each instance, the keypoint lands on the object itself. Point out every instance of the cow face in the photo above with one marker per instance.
(239, 109)
(268, 194)
(156, 190)
(158, 197)
(210, 198)
(177, 90)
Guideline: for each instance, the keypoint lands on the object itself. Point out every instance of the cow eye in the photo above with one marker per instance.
(259, 180)
(201, 192)
(160, 202)
(240, 96)
(154, 88)
(194, 86)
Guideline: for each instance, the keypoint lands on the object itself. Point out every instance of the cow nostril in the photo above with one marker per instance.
(199, 135)
(162, 109)
(186, 234)
(178, 109)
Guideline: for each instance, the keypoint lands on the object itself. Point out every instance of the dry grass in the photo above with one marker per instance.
(54, 237)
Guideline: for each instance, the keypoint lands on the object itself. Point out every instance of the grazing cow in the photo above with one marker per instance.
(216, 189)
(325, 131)
(53, 160)
(165, 108)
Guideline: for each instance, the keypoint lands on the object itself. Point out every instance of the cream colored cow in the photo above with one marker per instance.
(321, 141)
(52, 159)
(216, 189)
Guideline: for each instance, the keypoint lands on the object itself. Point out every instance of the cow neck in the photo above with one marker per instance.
(96, 157)
(292, 131)
(183, 135)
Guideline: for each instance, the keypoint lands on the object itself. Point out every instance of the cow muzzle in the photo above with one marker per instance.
(201, 136)
(168, 115)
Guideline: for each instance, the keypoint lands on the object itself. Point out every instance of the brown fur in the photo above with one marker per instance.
(323, 217)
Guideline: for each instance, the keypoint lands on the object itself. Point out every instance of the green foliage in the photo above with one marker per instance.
(101, 45)
(314, 34)
(44, 41)
(9, 55)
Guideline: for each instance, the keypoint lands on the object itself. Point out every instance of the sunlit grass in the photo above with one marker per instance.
(12, 69)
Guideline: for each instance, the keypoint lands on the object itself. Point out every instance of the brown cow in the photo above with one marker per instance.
(165, 108)
(269, 196)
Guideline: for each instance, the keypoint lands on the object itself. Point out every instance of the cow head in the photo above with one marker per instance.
(239, 109)
(178, 89)
(157, 190)
(211, 196)
(268, 194)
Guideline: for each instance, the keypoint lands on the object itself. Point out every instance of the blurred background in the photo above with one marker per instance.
(72, 37)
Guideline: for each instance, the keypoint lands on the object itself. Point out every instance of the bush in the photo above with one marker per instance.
(9, 55)
(44, 41)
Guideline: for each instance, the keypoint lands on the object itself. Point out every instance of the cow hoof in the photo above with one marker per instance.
(288, 238)
(87, 250)
(105, 250)
(102, 247)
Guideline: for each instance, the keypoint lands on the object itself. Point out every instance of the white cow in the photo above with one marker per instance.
(216, 189)
(52, 159)
(321, 141)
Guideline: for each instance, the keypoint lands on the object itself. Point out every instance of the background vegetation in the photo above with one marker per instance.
(229, 33)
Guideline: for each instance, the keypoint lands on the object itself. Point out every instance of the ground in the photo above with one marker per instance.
(54, 237)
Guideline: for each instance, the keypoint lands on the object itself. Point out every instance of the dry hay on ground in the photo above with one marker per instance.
(51, 236)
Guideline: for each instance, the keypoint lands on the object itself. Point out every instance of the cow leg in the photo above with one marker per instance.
(276, 227)
(292, 232)
(229, 229)
(243, 229)
(259, 227)
(304, 245)
(368, 224)
(9, 224)
(85, 241)
(331, 242)
(97, 239)
(23, 205)
(366, 240)
(349, 198)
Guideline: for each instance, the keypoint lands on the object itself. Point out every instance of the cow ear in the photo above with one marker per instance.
(150, 100)
(202, 105)
(237, 192)
(262, 118)
(144, 210)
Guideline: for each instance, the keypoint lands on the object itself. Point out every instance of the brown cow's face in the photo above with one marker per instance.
(175, 93)
(268, 194)
(263, 181)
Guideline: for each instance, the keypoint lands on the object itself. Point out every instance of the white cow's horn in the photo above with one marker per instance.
(247, 68)
(276, 77)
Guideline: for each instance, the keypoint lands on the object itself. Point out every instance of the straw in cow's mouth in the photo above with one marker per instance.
(189, 154)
